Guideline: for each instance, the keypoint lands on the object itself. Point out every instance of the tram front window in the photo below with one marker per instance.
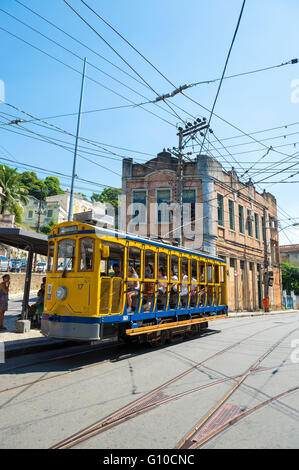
(66, 255)
(50, 257)
(86, 254)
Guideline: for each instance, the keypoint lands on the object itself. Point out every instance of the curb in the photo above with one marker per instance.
(28, 347)
(259, 314)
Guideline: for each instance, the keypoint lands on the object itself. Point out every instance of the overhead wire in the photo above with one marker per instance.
(81, 43)
(136, 105)
(224, 70)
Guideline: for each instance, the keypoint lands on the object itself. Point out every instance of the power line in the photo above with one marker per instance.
(224, 70)
(79, 42)
(52, 172)
(90, 78)
(115, 51)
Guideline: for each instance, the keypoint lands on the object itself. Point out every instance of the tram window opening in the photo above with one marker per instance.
(116, 259)
(50, 257)
(184, 280)
(66, 255)
(174, 267)
(222, 273)
(114, 265)
(174, 276)
(216, 274)
(202, 272)
(184, 270)
(86, 254)
(149, 264)
(162, 265)
(210, 273)
(134, 259)
(194, 273)
(104, 267)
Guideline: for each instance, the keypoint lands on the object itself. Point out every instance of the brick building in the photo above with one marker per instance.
(224, 217)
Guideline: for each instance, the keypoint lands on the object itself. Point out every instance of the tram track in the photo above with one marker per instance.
(157, 396)
(101, 349)
(192, 439)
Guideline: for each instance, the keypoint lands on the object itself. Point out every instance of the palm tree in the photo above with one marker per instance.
(13, 192)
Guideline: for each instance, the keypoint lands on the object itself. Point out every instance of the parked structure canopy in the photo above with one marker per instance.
(31, 242)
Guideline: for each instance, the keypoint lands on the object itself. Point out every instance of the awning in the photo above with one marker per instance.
(25, 240)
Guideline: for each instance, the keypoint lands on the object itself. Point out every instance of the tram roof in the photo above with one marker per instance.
(127, 236)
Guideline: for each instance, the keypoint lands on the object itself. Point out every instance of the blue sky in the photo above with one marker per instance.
(187, 42)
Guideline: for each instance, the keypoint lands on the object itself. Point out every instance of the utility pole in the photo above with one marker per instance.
(190, 132)
(180, 185)
(38, 221)
(70, 215)
(266, 265)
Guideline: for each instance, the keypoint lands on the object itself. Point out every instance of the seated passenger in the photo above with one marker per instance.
(149, 287)
(133, 288)
(149, 271)
(184, 289)
(162, 286)
(174, 287)
(116, 269)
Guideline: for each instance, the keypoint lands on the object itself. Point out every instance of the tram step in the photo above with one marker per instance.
(168, 326)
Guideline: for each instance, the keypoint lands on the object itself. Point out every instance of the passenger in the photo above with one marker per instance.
(36, 310)
(132, 288)
(43, 284)
(149, 271)
(184, 288)
(116, 269)
(162, 286)
(193, 287)
(4, 289)
(174, 287)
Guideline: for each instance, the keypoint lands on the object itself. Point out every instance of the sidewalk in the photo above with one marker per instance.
(25, 343)
(33, 341)
(259, 313)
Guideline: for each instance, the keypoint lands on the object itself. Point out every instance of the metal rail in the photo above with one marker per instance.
(144, 404)
(190, 441)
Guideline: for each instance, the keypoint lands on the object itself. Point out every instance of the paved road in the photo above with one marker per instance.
(47, 397)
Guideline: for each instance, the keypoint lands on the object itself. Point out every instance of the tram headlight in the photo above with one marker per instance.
(61, 292)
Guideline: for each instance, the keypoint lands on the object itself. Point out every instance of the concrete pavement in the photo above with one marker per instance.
(34, 341)
(24, 343)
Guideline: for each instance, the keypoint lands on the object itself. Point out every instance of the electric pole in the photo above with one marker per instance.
(38, 220)
(70, 215)
(189, 132)
(266, 265)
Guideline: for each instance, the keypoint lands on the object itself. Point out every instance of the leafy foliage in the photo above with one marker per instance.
(290, 277)
(40, 189)
(13, 192)
(47, 228)
(108, 195)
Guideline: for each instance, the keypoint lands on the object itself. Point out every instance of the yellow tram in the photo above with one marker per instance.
(104, 284)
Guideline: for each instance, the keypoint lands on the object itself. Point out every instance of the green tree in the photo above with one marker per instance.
(290, 277)
(108, 195)
(46, 229)
(13, 192)
(40, 189)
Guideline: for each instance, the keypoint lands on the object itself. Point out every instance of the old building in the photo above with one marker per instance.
(222, 217)
(289, 254)
(55, 208)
